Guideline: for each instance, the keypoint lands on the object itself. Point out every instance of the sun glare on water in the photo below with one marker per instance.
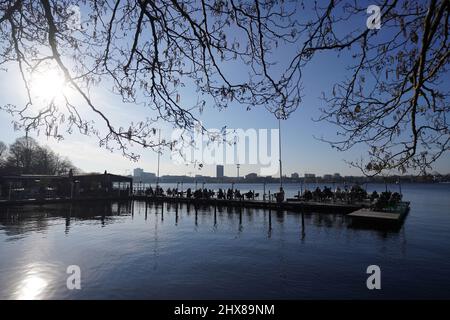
(31, 288)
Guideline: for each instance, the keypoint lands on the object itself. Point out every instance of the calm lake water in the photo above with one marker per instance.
(124, 252)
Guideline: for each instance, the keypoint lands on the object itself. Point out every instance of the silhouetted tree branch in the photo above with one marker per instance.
(146, 51)
(395, 99)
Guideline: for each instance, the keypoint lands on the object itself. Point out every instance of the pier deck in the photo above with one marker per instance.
(376, 215)
(330, 207)
(304, 206)
(366, 214)
(360, 211)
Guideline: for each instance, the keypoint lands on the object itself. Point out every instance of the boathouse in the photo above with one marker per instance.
(21, 187)
(102, 185)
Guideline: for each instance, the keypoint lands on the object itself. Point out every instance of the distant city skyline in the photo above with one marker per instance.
(142, 176)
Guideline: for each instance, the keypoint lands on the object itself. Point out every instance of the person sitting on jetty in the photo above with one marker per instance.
(338, 194)
(189, 193)
(159, 191)
(307, 195)
(317, 194)
(198, 194)
(220, 194)
(327, 193)
(280, 195)
(229, 194)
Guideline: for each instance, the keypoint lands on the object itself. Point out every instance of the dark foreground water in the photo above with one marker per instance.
(125, 253)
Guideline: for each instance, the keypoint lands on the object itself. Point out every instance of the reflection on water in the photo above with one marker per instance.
(32, 286)
(155, 251)
(33, 281)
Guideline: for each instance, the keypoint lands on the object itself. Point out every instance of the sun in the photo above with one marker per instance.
(48, 84)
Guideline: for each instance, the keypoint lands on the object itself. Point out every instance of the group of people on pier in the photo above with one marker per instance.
(204, 193)
(355, 193)
(221, 194)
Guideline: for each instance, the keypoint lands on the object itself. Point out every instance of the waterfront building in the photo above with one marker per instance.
(18, 187)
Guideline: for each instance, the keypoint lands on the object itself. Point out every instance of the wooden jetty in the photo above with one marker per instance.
(359, 212)
(303, 206)
(390, 217)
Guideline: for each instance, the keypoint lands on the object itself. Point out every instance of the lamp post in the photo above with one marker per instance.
(159, 155)
(279, 116)
(264, 191)
(279, 150)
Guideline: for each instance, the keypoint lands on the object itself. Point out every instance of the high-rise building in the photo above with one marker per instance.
(219, 171)
(138, 172)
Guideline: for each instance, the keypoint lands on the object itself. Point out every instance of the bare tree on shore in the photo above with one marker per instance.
(26, 156)
(395, 99)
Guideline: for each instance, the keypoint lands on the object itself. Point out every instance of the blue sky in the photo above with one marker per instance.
(301, 152)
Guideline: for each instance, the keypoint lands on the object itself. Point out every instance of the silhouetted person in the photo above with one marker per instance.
(229, 194)
(220, 194)
(280, 195)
